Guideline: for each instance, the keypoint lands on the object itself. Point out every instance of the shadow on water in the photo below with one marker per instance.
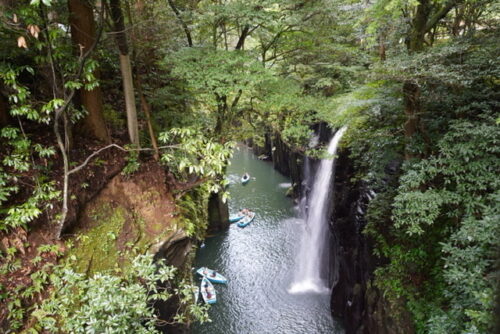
(259, 261)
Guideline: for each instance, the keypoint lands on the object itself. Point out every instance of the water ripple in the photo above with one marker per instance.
(259, 261)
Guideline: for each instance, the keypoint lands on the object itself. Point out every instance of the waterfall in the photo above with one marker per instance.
(315, 237)
(306, 178)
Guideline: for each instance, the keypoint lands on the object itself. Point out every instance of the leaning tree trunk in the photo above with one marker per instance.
(83, 35)
(126, 70)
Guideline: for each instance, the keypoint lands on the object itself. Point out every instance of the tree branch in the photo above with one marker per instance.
(441, 14)
(83, 164)
(243, 36)
(183, 24)
(60, 112)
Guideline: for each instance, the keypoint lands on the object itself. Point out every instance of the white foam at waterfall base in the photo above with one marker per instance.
(307, 277)
(308, 287)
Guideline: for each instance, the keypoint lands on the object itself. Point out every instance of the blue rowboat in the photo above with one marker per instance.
(236, 217)
(247, 220)
(245, 178)
(208, 291)
(211, 275)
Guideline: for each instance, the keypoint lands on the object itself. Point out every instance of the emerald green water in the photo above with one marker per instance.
(259, 261)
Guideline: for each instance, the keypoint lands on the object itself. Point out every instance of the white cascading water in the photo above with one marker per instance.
(308, 276)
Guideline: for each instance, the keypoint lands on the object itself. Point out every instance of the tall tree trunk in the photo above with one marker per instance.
(4, 112)
(416, 40)
(83, 35)
(381, 48)
(126, 70)
(146, 109)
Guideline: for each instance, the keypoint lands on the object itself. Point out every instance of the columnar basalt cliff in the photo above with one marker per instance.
(353, 262)
(286, 160)
(354, 296)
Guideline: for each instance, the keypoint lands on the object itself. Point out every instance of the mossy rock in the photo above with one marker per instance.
(127, 217)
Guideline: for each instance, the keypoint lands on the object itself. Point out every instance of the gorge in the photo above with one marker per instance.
(370, 131)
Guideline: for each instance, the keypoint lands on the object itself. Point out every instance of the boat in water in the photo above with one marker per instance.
(211, 275)
(234, 218)
(247, 219)
(207, 291)
(245, 178)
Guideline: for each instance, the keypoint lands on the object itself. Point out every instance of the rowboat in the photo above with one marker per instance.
(236, 217)
(207, 291)
(247, 219)
(245, 178)
(211, 275)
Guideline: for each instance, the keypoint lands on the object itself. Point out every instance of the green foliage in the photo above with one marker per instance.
(19, 160)
(22, 214)
(106, 303)
(192, 152)
(193, 215)
(221, 84)
(302, 63)
(210, 73)
(443, 189)
(133, 163)
(436, 229)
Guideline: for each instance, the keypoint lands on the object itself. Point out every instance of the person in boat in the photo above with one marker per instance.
(213, 274)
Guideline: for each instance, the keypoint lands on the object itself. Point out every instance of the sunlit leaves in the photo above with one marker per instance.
(37, 2)
(18, 160)
(106, 303)
(209, 72)
(195, 153)
(25, 212)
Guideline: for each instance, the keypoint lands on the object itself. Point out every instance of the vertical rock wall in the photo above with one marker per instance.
(354, 296)
(353, 262)
(284, 159)
(218, 213)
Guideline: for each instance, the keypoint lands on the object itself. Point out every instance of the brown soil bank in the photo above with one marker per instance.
(131, 215)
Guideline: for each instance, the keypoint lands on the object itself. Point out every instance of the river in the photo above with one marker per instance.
(259, 261)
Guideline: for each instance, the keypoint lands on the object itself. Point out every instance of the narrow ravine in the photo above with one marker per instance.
(260, 261)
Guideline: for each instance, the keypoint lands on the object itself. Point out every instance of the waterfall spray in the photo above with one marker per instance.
(315, 236)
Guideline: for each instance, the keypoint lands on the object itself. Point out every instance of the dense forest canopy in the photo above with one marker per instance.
(181, 81)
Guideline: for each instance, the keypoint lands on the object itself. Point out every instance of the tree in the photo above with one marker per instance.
(4, 112)
(81, 18)
(110, 303)
(422, 19)
(126, 70)
(427, 16)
